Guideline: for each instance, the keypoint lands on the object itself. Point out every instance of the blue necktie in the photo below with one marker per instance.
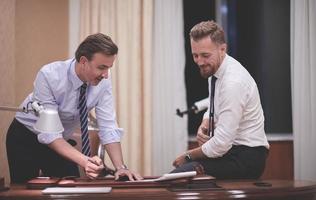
(211, 109)
(83, 111)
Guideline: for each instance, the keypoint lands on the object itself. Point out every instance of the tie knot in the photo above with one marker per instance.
(213, 79)
(83, 87)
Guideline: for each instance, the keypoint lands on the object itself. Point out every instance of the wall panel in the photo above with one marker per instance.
(32, 33)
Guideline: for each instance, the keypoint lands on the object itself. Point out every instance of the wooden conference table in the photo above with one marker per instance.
(214, 189)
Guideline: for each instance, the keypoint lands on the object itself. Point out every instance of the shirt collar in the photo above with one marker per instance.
(221, 70)
(76, 82)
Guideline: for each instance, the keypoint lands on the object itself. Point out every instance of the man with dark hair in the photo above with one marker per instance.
(72, 87)
(231, 137)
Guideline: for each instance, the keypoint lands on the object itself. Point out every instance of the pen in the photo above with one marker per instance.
(93, 161)
(106, 170)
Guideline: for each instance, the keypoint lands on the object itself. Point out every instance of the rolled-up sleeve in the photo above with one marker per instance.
(109, 132)
(230, 110)
(111, 136)
(47, 138)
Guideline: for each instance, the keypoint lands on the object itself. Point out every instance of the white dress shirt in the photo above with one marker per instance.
(57, 86)
(238, 113)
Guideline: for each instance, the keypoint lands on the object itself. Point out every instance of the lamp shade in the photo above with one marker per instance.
(48, 122)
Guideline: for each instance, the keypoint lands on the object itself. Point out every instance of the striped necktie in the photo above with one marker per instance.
(211, 109)
(83, 111)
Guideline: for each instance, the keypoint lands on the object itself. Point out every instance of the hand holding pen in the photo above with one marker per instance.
(93, 167)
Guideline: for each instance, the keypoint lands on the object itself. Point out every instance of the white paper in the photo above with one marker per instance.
(170, 177)
(76, 190)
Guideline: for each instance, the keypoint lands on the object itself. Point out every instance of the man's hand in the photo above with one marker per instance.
(115, 153)
(201, 135)
(93, 167)
(122, 172)
(179, 161)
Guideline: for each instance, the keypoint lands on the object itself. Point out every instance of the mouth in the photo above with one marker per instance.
(203, 68)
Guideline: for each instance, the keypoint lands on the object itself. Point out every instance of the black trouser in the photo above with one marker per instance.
(27, 156)
(240, 162)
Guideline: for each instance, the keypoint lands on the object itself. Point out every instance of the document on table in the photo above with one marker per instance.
(169, 177)
(76, 190)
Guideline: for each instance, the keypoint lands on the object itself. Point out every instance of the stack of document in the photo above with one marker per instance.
(76, 190)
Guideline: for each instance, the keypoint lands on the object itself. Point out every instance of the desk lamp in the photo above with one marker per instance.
(48, 119)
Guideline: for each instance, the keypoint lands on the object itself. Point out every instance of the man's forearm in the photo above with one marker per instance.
(115, 153)
(64, 149)
(196, 153)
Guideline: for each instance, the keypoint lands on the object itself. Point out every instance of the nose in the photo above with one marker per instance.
(198, 60)
(105, 74)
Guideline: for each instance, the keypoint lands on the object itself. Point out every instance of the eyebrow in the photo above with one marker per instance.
(105, 66)
(203, 53)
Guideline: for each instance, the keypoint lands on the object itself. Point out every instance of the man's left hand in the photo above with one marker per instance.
(132, 176)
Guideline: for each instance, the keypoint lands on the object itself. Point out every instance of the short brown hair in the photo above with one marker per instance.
(94, 44)
(208, 28)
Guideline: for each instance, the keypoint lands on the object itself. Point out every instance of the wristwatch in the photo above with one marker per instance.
(188, 157)
(123, 166)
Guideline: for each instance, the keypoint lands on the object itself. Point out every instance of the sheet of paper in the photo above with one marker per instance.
(170, 177)
(76, 190)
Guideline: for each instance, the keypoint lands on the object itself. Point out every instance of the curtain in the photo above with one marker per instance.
(148, 76)
(129, 24)
(170, 135)
(303, 81)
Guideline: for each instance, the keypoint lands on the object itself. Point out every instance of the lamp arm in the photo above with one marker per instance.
(31, 106)
(8, 108)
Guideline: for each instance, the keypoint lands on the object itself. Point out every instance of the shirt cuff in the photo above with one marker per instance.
(112, 136)
(208, 148)
(47, 138)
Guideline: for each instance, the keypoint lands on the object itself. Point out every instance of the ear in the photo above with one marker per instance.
(224, 47)
(83, 60)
